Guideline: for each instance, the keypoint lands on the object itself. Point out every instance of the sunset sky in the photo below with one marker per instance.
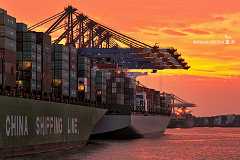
(213, 82)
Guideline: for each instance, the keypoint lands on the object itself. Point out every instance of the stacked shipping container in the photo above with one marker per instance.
(153, 101)
(64, 70)
(28, 61)
(44, 41)
(59, 66)
(103, 78)
(84, 74)
(156, 102)
(101, 81)
(7, 50)
(33, 61)
(99, 85)
(73, 71)
(165, 101)
(130, 92)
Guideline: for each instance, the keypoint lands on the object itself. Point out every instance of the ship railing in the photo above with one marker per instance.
(112, 108)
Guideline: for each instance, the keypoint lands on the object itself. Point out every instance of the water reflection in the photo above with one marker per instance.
(176, 144)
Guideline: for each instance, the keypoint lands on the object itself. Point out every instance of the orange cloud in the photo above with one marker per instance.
(219, 18)
(174, 33)
(195, 31)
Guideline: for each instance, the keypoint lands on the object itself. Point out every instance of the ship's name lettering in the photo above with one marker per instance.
(47, 125)
(16, 125)
(20, 125)
(72, 126)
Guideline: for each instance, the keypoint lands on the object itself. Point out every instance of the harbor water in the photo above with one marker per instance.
(175, 144)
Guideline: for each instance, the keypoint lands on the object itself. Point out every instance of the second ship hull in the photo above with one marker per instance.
(149, 124)
(139, 123)
(111, 123)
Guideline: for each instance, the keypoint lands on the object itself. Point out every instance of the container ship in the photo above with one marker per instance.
(54, 95)
(132, 104)
(149, 112)
(152, 112)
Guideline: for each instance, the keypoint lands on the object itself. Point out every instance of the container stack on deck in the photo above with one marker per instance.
(152, 101)
(28, 61)
(117, 86)
(130, 92)
(165, 100)
(110, 84)
(33, 60)
(44, 40)
(64, 70)
(84, 74)
(104, 85)
(157, 101)
(99, 85)
(72, 71)
(7, 51)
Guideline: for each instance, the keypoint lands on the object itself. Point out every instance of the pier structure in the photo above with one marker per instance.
(181, 106)
(182, 113)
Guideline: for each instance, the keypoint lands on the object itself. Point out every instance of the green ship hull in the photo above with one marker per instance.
(26, 124)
